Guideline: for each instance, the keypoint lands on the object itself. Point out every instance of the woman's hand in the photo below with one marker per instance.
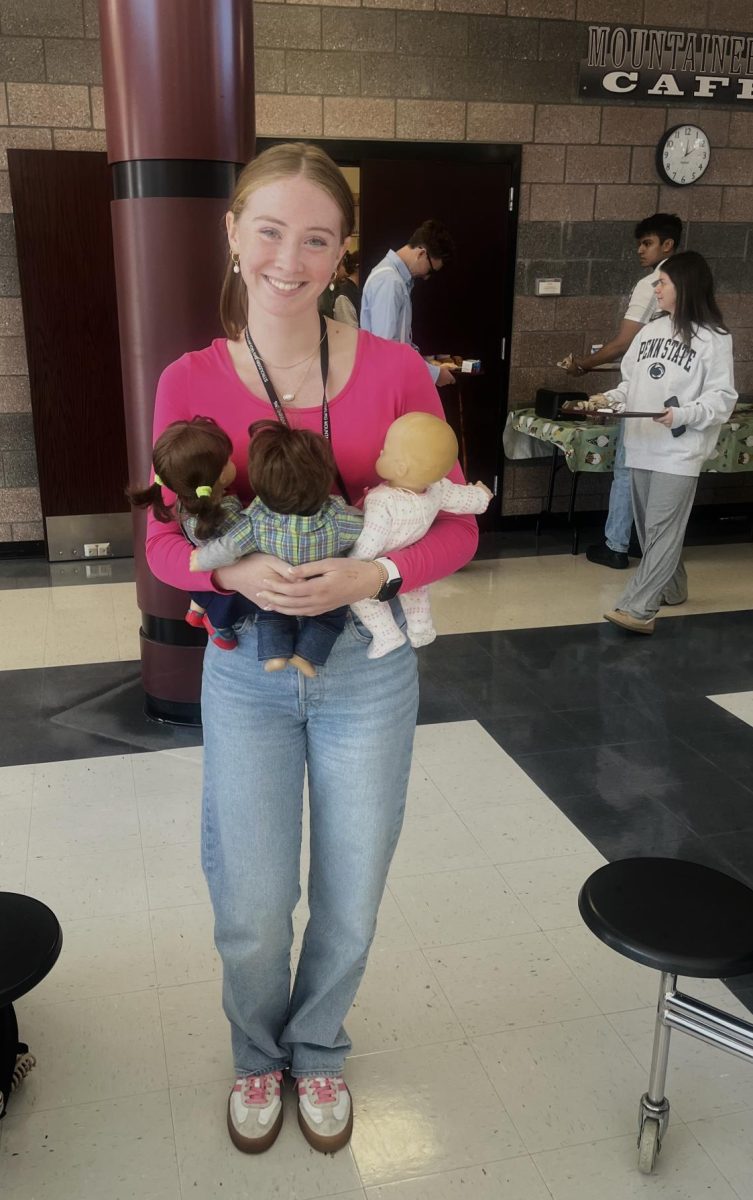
(317, 587)
(665, 419)
(249, 574)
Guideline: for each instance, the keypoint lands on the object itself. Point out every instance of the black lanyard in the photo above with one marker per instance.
(275, 400)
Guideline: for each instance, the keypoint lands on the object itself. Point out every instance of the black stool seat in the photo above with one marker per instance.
(675, 916)
(30, 942)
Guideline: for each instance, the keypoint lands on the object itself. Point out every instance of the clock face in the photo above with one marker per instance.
(683, 154)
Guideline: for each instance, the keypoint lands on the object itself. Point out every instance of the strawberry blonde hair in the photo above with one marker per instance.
(286, 161)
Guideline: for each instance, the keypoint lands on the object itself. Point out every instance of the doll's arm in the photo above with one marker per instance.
(376, 536)
(223, 551)
(464, 497)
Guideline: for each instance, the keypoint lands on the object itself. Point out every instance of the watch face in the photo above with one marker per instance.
(683, 155)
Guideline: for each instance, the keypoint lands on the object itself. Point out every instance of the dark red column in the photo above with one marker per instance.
(179, 105)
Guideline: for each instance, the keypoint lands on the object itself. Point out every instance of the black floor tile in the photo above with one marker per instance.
(629, 828)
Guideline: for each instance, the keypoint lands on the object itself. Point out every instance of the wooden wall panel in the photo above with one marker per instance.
(61, 204)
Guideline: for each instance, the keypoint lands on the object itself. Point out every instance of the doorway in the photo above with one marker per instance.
(467, 308)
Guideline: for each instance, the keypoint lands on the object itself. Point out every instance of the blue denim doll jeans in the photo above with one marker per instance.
(352, 728)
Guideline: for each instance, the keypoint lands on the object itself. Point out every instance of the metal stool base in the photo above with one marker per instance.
(688, 1015)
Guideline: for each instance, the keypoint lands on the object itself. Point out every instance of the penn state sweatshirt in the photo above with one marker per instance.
(659, 366)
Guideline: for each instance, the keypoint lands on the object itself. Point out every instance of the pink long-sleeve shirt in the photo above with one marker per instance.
(388, 379)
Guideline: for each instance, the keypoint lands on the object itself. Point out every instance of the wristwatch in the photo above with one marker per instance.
(392, 583)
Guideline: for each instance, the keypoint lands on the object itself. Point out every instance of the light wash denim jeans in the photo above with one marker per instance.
(619, 524)
(352, 727)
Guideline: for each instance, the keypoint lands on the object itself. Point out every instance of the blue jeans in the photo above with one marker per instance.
(619, 524)
(312, 637)
(224, 611)
(352, 728)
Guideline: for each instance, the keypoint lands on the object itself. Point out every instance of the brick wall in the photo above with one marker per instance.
(457, 70)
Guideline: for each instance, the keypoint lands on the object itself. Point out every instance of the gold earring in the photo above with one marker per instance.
(236, 259)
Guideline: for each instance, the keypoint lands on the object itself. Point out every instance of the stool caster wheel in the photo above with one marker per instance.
(649, 1145)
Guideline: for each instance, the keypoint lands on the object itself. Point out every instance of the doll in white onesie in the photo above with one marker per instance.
(418, 452)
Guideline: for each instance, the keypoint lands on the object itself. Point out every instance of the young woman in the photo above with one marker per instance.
(679, 366)
(350, 728)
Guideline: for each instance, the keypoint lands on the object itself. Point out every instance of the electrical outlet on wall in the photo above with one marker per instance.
(91, 550)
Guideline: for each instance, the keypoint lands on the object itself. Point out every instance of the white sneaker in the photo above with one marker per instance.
(325, 1112)
(254, 1112)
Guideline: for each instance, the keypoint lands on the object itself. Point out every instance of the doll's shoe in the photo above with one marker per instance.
(303, 665)
(422, 637)
(194, 618)
(223, 639)
(275, 664)
(382, 645)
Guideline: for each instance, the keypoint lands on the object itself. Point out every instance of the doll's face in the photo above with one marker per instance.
(389, 465)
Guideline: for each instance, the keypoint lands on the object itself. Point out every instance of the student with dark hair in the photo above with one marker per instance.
(386, 304)
(681, 366)
(658, 237)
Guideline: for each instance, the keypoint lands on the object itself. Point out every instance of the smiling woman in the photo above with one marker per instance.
(351, 727)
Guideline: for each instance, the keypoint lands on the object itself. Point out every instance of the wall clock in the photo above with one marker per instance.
(683, 155)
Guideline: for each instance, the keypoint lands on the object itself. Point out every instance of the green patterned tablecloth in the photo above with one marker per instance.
(590, 447)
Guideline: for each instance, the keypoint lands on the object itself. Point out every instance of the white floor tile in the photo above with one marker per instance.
(101, 826)
(437, 843)
(514, 1179)
(174, 876)
(461, 906)
(740, 704)
(167, 772)
(564, 1084)
(14, 839)
(616, 983)
(513, 833)
(728, 1141)
(212, 1169)
(16, 787)
(184, 949)
(424, 798)
(118, 1149)
(508, 983)
(470, 768)
(408, 1119)
(89, 885)
(608, 1169)
(82, 779)
(702, 1081)
(168, 819)
(101, 956)
(90, 1050)
(549, 888)
(399, 1005)
(197, 1034)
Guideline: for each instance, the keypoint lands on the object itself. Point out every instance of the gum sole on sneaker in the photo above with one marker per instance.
(613, 619)
(326, 1145)
(253, 1145)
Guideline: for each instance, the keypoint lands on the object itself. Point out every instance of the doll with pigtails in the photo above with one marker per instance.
(192, 461)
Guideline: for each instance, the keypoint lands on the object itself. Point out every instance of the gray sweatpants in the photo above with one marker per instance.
(661, 508)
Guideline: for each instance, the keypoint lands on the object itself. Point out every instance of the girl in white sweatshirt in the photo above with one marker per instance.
(679, 366)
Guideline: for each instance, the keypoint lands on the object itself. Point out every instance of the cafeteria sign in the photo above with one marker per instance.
(667, 64)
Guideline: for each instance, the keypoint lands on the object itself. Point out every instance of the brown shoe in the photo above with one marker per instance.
(254, 1112)
(625, 621)
(325, 1112)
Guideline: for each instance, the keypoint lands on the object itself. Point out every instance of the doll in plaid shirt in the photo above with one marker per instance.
(293, 517)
